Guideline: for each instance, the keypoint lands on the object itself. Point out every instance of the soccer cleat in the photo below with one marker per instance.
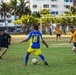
(0, 57)
(45, 63)
(25, 64)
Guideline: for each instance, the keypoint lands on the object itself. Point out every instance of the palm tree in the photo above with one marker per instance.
(22, 8)
(13, 5)
(13, 9)
(72, 10)
(4, 10)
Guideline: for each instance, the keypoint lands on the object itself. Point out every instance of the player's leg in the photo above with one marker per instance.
(4, 51)
(39, 53)
(43, 59)
(56, 37)
(74, 47)
(27, 55)
(0, 48)
(59, 36)
(26, 58)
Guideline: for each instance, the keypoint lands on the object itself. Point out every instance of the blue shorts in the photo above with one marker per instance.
(74, 44)
(4, 45)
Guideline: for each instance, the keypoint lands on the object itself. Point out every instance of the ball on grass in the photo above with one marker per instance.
(34, 61)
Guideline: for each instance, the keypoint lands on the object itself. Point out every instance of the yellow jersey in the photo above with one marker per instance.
(74, 36)
(58, 30)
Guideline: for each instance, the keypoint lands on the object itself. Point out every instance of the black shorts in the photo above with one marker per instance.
(74, 44)
(58, 35)
(4, 45)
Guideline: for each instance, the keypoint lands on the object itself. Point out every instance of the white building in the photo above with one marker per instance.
(4, 1)
(55, 6)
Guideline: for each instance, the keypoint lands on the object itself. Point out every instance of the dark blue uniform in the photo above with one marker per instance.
(5, 40)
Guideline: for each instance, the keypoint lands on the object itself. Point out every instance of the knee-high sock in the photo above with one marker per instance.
(26, 58)
(42, 57)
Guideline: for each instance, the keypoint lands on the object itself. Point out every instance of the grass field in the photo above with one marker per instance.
(61, 58)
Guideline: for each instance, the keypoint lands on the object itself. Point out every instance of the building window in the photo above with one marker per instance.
(54, 12)
(66, 12)
(54, 0)
(34, 6)
(41, 0)
(68, 0)
(67, 6)
(46, 6)
(54, 6)
(34, 12)
(71, 0)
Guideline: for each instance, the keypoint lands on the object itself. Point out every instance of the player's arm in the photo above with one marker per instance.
(24, 41)
(71, 39)
(44, 41)
(29, 36)
(9, 39)
(45, 44)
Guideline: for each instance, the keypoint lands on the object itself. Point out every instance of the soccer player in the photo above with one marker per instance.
(72, 29)
(35, 37)
(58, 32)
(5, 40)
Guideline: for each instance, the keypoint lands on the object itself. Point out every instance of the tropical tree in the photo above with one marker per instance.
(4, 10)
(72, 10)
(13, 6)
(45, 11)
(22, 8)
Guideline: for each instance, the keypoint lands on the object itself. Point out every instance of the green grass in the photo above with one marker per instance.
(61, 58)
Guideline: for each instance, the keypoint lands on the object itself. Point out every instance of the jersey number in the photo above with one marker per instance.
(35, 38)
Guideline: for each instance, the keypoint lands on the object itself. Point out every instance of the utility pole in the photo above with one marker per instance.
(41, 24)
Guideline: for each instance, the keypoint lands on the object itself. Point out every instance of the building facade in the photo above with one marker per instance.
(56, 7)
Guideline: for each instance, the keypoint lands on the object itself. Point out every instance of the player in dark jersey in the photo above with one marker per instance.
(5, 40)
(35, 37)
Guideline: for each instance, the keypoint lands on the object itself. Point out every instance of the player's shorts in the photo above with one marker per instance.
(37, 51)
(74, 44)
(4, 45)
(58, 35)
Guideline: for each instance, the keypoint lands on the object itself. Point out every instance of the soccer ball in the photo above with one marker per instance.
(34, 61)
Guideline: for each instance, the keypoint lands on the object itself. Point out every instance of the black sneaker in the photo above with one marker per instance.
(0, 57)
(45, 63)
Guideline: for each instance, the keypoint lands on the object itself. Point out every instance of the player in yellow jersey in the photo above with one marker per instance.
(72, 29)
(58, 32)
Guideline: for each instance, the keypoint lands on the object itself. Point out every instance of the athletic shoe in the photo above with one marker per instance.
(0, 57)
(45, 63)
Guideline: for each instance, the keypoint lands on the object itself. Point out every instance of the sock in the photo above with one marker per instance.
(26, 58)
(42, 57)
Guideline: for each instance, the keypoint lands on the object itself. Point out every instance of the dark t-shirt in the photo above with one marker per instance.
(5, 39)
